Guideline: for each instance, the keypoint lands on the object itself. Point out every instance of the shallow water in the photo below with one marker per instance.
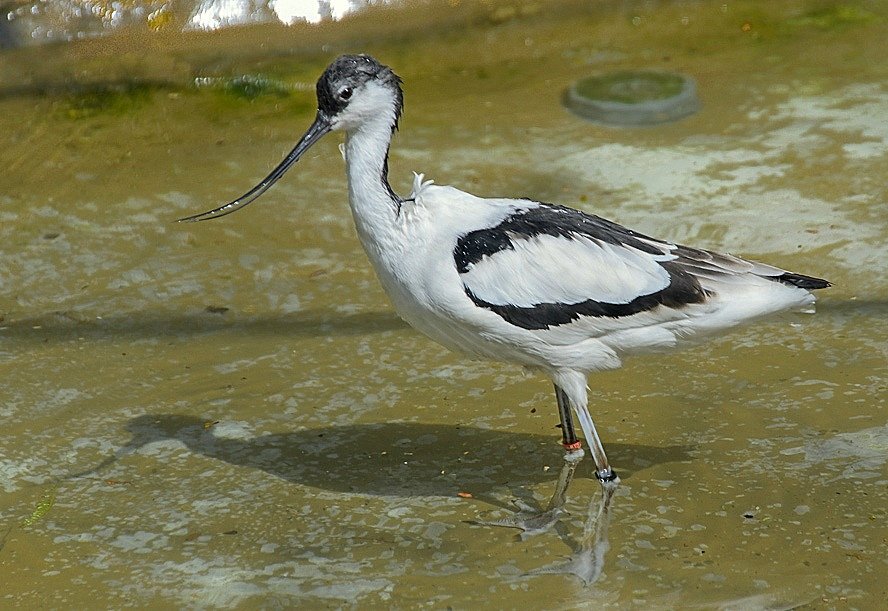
(230, 413)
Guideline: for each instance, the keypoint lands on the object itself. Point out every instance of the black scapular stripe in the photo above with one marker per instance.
(545, 219)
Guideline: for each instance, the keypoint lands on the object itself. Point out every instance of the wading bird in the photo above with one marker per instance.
(544, 286)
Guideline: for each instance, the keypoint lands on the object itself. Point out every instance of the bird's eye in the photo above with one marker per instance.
(345, 93)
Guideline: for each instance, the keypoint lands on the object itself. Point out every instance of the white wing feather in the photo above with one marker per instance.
(552, 269)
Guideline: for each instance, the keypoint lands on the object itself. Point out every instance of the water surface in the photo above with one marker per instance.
(229, 413)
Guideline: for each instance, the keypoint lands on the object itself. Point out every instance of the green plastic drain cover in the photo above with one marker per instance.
(643, 97)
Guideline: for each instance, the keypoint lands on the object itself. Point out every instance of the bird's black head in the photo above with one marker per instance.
(355, 92)
(354, 86)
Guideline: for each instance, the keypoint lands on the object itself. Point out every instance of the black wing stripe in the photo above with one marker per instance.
(682, 290)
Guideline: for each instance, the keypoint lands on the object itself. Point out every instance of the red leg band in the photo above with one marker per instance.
(573, 446)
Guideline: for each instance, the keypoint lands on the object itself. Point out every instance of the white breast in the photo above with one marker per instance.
(413, 258)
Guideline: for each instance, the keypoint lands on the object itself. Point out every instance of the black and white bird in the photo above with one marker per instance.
(544, 286)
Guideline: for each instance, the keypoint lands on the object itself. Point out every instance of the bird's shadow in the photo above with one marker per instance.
(61, 325)
(402, 459)
(312, 322)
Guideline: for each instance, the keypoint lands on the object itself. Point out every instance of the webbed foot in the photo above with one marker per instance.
(529, 520)
(532, 521)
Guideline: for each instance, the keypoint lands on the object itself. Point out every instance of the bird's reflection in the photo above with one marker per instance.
(403, 459)
(586, 561)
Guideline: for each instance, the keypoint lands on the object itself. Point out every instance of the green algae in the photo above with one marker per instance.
(833, 16)
(112, 99)
(42, 508)
(246, 86)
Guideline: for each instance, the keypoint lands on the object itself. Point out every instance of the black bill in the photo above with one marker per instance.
(317, 130)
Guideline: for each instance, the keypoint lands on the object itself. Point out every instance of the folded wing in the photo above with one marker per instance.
(546, 266)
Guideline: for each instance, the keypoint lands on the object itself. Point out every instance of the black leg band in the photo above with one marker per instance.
(610, 476)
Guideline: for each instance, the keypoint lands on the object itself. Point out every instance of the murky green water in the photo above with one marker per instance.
(268, 433)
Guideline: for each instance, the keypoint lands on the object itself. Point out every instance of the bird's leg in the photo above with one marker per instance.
(568, 436)
(603, 471)
(532, 521)
(587, 560)
(572, 458)
(573, 451)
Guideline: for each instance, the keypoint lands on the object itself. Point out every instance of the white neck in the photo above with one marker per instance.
(369, 194)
